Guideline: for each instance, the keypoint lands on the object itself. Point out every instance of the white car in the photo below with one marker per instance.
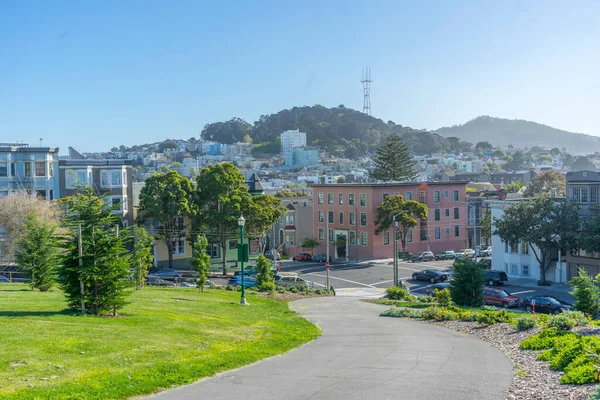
(467, 253)
(485, 252)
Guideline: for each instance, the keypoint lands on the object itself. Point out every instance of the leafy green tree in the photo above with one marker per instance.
(408, 213)
(200, 260)
(585, 293)
(582, 163)
(221, 197)
(518, 161)
(555, 152)
(263, 212)
(165, 202)
(545, 224)
(484, 147)
(310, 243)
(544, 183)
(467, 286)
(341, 179)
(393, 161)
(232, 131)
(263, 270)
(486, 222)
(105, 261)
(141, 257)
(38, 253)
(515, 186)
(545, 158)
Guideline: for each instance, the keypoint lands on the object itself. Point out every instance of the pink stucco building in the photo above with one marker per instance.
(350, 210)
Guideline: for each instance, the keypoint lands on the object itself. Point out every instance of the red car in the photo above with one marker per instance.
(302, 257)
(500, 298)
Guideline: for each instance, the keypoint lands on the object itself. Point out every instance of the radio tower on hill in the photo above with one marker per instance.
(366, 81)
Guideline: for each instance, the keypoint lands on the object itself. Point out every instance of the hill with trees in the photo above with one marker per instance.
(339, 130)
(519, 133)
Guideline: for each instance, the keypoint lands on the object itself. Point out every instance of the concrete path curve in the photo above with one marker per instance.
(363, 356)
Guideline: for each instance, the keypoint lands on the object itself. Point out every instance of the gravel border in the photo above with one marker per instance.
(532, 379)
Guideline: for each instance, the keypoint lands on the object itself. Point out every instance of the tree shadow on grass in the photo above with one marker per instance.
(26, 314)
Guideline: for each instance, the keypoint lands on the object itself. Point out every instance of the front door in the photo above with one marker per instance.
(341, 245)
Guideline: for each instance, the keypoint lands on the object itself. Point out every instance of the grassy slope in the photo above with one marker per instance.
(170, 337)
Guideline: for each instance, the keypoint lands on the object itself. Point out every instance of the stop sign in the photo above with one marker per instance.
(327, 265)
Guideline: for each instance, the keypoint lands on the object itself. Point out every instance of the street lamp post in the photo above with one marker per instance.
(394, 228)
(241, 223)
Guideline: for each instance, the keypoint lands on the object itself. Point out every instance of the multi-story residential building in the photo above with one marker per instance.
(349, 211)
(110, 178)
(34, 169)
(301, 156)
(582, 189)
(292, 139)
(291, 230)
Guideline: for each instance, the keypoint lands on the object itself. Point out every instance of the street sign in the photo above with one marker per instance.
(327, 265)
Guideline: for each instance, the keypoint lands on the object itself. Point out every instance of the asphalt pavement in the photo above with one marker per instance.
(363, 356)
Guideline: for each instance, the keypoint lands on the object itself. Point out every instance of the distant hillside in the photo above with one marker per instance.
(341, 131)
(520, 133)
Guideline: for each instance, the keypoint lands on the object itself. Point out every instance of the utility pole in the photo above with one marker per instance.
(81, 288)
(327, 247)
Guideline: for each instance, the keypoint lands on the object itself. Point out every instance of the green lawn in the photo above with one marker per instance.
(168, 337)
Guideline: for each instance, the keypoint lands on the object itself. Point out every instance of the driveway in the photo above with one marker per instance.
(363, 356)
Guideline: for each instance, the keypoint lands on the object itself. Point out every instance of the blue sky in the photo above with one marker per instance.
(98, 74)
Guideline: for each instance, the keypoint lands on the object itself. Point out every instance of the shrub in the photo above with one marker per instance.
(468, 316)
(402, 312)
(561, 322)
(230, 288)
(579, 375)
(578, 317)
(439, 314)
(397, 293)
(525, 323)
(268, 287)
(585, 292)
(489, 308)
(443, 297)
(425, 299)
(543, 340)
(467, 286)
(495, 317)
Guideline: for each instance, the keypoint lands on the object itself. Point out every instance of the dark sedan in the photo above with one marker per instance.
(430, 290)
(545, 305)
(319, 258)
(302, 257)
(431, 275)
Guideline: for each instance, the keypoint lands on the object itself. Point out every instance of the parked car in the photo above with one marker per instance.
(430, 290)
(153, 281)
(4, 279)
(289, 280)
(467, 253)
(446, 255)
(302, 257)
(320, 258)
(247, 272)
(167, 273)
(494, 277)
(423, 256)
(272, 254)
(431, 275)
(544, 304)
(485, 262)
(485, 252)
(500, 298)
(237, 281)
(188, 285)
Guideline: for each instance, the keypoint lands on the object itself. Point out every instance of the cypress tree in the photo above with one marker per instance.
(393, 161)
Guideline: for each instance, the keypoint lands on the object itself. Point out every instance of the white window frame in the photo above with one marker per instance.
(365, 236)
(321, 234)
(386, 238)
(179, 247)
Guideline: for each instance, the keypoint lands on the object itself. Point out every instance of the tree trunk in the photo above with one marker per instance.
(224, 249)
(170, 251)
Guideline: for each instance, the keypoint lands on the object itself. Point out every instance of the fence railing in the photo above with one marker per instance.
(14, 276)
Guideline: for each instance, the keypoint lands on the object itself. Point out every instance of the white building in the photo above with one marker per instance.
(517, 259)
(292, 139)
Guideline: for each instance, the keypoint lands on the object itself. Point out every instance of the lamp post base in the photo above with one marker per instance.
(243, 302)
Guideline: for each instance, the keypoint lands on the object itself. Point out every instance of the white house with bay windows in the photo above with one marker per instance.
(518, 259)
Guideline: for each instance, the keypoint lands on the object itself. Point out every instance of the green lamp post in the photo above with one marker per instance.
(241, 256)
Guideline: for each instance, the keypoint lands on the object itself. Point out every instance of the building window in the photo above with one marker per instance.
(341, 218)
(352, 237)
(409, 236)
(447, 230)
(115, 178)
(436, 214)
(594, 195)
(27, 169)
(456, 230)
(422, 197)
(233, 244)
(341, 199)
(446, 194)
(321, 234)
(40, 168)
(455, 194)
(3, 169)
(436, 196)
(408, 196)
(179, 247)
(514, 248)
(386, 238)
(330, 216)
(41, 194)
(424, 235)
(290, 220)
(363, 238)
(290, 240)
(213, 250)
(363, 219)
(524, 248)
(352, 218)
(321, 216)
(363, 199)
(447, 212)
(525, 270)
(331, 235)
(437, 233)
(329, 198)
(506, 247)
(514, 269)
(351, 199)
(12, 169)
(456, 213)
(584, 195)
(384, 196)
(320, 198)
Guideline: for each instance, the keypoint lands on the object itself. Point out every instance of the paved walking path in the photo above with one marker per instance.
(363, 356)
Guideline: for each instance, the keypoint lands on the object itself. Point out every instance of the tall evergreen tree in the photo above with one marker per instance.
(467, 286)
(393, 161)
(38, 253)
(141, 258)
(200, 260)
(105, 261)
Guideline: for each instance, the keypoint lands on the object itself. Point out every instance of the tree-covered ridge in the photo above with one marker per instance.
(341, 131)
